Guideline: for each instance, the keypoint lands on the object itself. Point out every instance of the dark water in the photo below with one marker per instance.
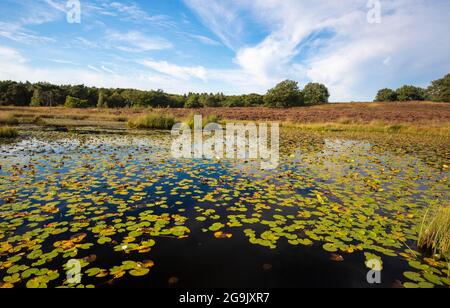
(335, 191)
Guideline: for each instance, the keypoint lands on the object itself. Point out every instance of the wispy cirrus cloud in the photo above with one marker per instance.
(14, 66)
(135, 41)
(204, 39)
(222, 18)
(134, 12)
(18, 33)
(176, 71)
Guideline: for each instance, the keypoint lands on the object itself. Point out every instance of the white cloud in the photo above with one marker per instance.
(58, 5)
(107, 70)
(133, 12)
(19, 34)
(94, 68)
(221, 17)
(179, 72)
(205, 40)
(13, 66)
(306, 40)
(135, 41)
(11, 55)
(348, 54)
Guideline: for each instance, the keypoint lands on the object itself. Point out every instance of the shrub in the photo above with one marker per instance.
(439, 91)
(285, 94)
(153, 121)
(315, 93)
(410, 93)
(73, 102)
(386, 95)
(8, 132)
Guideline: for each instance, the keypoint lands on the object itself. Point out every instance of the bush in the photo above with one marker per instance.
(386, 95)
(285, 94)
(73, 102)
(410, 93)
(439, 91)
(153, 121)
(8, 132)
(315, 93)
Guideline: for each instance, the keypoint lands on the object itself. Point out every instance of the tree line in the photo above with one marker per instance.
(285, 94)
(438, 91)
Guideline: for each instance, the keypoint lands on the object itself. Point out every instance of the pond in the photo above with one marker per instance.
(132, 216)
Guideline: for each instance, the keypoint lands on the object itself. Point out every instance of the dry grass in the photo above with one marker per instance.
(435, 231)
(348, 125)
(8, 132)
(26, 114)
(413, 118)
(8, 119)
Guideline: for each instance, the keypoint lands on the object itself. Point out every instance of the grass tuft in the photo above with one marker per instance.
(212, 118)
(153, 121)
(8, 132)
(435, 231)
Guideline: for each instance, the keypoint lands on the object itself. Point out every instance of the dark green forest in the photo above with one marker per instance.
(285, 94)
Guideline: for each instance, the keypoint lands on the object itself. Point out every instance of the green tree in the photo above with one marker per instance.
(116, 101)
(102, 103)
(315, 93)
(78, 91)
(193, 101)
(133, 98)
(74, 102)
(177, 101)
(285, 94)
(208, 100)
(410, 93)
(233, 101)
(253, 100)
(36, 99)
(439, 90)
(14, 94)
(386, 95)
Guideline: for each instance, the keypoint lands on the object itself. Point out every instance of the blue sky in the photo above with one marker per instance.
(232, 46)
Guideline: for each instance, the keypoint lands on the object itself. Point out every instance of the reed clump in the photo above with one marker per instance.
(434, 235)
(153, 121)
